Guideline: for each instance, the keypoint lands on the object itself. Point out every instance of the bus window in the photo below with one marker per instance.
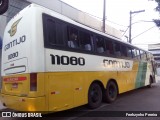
(138, 54)
(59, 33)
(117, 49)
(51, 31)
(124, 50)
(73, 37)
(109, 47)
(85, 41)
(100, 44)
(129, 52)
(134, 53)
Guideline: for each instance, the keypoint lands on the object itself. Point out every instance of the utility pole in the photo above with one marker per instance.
(104, 15)
(130, 23)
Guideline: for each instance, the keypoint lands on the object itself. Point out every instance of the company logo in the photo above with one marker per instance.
(6, 114)
(15, 114)
(13, 29)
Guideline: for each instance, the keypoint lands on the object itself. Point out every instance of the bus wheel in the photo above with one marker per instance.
(94, 96)
(111, 92)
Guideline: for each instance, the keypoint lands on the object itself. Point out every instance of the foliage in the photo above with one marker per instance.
(157, 21)
(158, 6)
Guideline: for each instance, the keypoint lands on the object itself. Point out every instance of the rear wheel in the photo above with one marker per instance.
(111, 92)
(94, 96)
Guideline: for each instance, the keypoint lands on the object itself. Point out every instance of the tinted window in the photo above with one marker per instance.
(129, 52)
(100, 44)
(117, 49)
(85, 41)
(138, 55)
(73, 41)
(51, 31)
(109, 47)
(124, 50)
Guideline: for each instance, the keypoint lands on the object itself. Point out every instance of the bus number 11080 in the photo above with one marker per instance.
(65, 60)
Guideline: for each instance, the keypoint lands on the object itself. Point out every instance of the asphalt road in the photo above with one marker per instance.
(140, 101)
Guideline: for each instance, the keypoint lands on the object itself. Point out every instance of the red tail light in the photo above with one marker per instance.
(33, 82)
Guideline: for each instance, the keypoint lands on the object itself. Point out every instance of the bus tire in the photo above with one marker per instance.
(111, 92)
(94, 96)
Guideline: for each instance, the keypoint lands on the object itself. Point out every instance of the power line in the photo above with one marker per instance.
(135, 23)
(125, 31)
(116, 23)
(143, 32)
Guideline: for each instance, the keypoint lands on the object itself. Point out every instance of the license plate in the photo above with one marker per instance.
(14, 85)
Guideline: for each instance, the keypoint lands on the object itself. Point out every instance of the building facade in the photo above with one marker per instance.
(16, 5)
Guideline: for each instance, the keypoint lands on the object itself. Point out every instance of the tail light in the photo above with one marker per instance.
(33, 82)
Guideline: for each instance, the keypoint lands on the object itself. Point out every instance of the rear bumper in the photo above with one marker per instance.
(24, 103)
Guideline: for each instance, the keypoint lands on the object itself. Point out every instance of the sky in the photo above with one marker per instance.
(117, 16)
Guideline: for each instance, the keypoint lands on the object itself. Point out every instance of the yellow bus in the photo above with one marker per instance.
(52, 63)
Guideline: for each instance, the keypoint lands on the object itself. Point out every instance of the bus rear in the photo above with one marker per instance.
(23, 63)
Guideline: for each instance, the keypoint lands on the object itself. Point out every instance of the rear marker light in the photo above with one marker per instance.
(33, 82)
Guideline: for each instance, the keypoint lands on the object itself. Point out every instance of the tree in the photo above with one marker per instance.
(158, 7)
(3, 6)
(157, 21)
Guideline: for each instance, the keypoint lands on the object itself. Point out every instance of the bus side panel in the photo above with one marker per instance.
(60, 93)
(126, 79)
(133, 74)
(141, 75)
(79, 81)
(66, 90)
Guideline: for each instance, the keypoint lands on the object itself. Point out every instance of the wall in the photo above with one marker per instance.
(77, 15)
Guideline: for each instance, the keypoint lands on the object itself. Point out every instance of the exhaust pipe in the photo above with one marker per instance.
(3, 6)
